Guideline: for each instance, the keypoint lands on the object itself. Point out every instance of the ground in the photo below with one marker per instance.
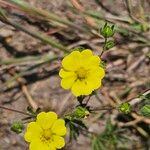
(34, 81)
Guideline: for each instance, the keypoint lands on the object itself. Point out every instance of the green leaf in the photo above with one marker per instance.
(109, 45)
(111, 138)
(98, 145)
(76, 127)
(145, 110)
(17, 127)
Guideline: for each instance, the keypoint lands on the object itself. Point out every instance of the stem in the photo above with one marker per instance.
(14, 110)
(104, 108)
(88, 99)
(104, 46)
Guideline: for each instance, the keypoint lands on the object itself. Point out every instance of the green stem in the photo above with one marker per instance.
(104, 47)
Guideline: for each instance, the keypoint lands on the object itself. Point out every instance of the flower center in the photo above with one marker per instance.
(46, 135)
(81, 73)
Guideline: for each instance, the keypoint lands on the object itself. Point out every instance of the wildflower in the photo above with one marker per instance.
(46, 132)
(81, 72)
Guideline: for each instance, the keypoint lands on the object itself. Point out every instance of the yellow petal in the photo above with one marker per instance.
(46, 120)
(39, 145)
(81, 88)
(67, 83)
(85, 57)
(96, 72)
(66, 74)
(89, 60)
(94, 61)
(86, 54)
(71, 62)
(94, 83)
(58, 141)
(59, 127)
(33, 132)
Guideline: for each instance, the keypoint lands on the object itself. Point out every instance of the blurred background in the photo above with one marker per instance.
(34, 37)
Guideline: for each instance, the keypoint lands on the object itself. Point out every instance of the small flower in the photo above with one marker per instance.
(46, 132)
(81, 72)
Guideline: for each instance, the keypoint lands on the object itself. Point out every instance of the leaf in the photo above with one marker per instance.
(76, 127)
(145, 110)
(97, 144)
(109, 139)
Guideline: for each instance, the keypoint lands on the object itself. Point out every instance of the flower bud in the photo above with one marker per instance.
(109, 45)
(125, 108)
(145, 110)
(80, 112)
(107, 31)
(17, 127)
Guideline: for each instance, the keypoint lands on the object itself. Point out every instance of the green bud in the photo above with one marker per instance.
(107, 31)
(80, 112)
(145, 110)
(125, 108)
(17, 127)
(109, 45)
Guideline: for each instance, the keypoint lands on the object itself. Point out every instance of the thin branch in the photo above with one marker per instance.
(14, 110)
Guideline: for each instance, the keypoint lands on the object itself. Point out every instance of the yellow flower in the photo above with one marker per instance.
(81, 72)
(46, 132)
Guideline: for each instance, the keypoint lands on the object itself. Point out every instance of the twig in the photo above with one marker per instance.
(136, 121)
(129, 9)
(25, 91)
(105, 8)
(18, 111)
(44, 38)
(48, 16)
(29, 98)
(137, 100)
(103, 108)
(90, 21)
(136, 64)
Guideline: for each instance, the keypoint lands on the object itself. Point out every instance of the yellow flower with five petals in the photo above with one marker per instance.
(81, 72)
(46, 132)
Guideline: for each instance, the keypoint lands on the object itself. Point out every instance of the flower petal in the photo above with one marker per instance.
(86, 53)
(94, 77)
(96, 72)
(46, 120)
(33, 132)
(59, 128)
(39, 145)
(71, 62)
(66, 74)
(80, 87)
(58, 141)
(94, 83)
(67, 83)
(94, 61)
